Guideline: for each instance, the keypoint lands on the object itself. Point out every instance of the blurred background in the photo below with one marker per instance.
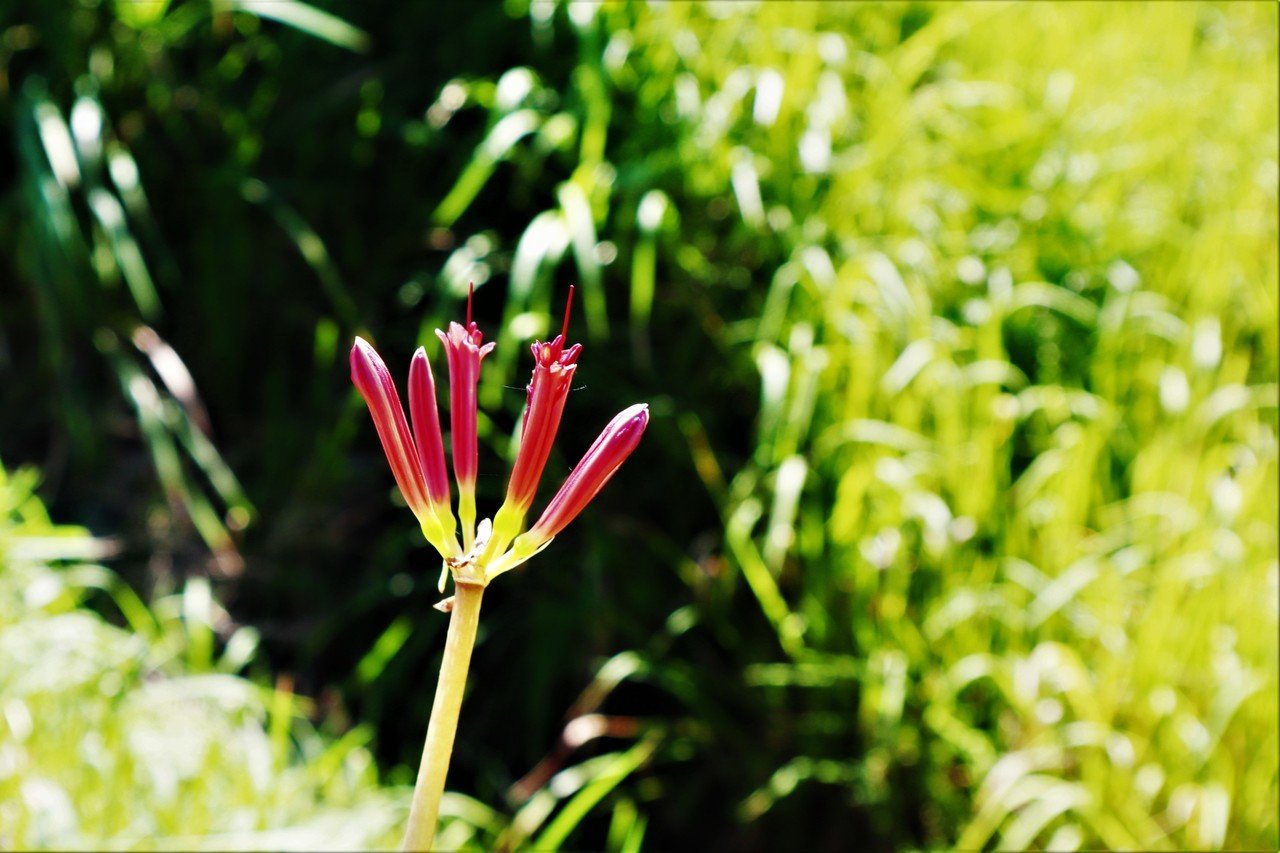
(955, 525)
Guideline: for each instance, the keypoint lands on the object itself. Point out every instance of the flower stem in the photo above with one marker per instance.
(425, 812)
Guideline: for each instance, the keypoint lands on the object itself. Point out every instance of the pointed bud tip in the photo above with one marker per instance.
(627, 426)
(364, 361)
(639, 410)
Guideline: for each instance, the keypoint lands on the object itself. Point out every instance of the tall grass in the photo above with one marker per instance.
(1010, 511)
(144, 734)
(1023, 432)
(959, 322)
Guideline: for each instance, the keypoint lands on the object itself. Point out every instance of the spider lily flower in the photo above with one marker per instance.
(428, 497)
(417, 456)
(417, 461)
(588, 477)
(553, 370)
(464, 348)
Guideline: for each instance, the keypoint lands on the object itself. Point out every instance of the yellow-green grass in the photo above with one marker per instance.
(1015, 473)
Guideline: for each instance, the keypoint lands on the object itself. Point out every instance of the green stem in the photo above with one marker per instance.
(425, 812)
(467, 516)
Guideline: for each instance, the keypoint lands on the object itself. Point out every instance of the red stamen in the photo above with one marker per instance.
(568, 304)
(471, 289)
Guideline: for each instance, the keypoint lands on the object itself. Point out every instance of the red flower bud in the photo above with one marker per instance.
(425, 417)
(429, 502)
(462, 346)
(553, 368)
(599, 463)
(373, 380)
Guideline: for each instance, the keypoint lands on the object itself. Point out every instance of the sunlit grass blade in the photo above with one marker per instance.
(651, 215)
(307, 18)
(502, 138)
(582, 236)
(607, 775)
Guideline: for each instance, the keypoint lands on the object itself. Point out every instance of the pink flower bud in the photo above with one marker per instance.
(553, 368)
(426, 428)
(463, 348)
(602, 459)
(552, 376)
(372, 379)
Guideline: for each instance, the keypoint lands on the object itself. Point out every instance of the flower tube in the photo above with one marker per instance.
(548, 389)
(588, 477)
(372, 379)
(464, 349)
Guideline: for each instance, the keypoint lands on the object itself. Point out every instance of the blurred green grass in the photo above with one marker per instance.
(963, 316)
(140, 736)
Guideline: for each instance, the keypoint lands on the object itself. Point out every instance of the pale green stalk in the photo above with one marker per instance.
(424, 815)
